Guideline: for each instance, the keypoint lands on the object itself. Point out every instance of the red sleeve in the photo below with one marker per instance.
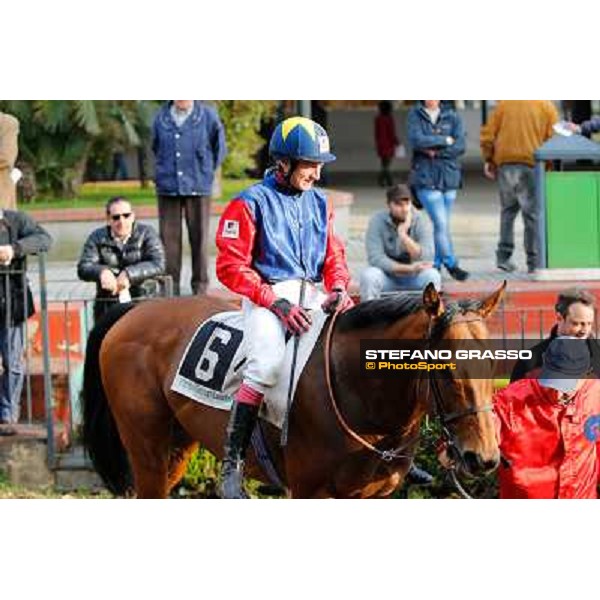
(498, 414)
(235, 243)
(335, 269)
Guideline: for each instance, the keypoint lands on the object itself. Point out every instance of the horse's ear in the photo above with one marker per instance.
(432, 301)
(489, 305)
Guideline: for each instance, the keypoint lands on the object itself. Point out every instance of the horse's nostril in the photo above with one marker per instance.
(491, 465)
(473, 462)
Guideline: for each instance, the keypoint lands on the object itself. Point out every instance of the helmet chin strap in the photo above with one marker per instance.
(287, 177)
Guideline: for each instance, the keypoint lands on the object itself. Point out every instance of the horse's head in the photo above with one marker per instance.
(464, 405)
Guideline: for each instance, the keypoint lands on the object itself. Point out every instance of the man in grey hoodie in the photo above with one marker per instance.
(398, 246)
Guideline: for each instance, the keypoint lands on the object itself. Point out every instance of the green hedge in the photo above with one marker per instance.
(96, 195)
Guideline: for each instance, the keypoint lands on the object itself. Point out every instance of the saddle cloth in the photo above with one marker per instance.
(212, 366)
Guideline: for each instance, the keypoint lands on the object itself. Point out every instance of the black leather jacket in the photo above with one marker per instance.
(26, 237)
(142, 256)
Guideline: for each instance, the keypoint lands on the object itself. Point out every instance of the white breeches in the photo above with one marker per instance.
(265, 334)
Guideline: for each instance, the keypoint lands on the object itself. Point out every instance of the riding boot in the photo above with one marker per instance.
(239, 431)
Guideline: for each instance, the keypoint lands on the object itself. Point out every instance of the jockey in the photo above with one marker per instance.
(272, 237)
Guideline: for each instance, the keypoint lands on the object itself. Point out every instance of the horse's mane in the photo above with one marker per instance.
(382, 312)
(378, 313)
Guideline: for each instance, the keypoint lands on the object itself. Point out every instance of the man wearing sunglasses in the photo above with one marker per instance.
(122, 258)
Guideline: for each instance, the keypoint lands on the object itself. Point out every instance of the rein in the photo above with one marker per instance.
(435, 331)
(385, 455)
(445, 418)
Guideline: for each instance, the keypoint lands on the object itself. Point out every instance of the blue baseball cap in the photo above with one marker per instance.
(566, 361)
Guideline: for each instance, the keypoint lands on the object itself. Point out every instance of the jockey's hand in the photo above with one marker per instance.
(337, 298)
(294, 318)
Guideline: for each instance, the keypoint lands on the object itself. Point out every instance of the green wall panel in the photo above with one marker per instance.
(573, 220)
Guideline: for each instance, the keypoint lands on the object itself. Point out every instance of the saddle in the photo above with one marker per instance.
(212, 366)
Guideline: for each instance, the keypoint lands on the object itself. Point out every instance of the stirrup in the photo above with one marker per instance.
(231, 486)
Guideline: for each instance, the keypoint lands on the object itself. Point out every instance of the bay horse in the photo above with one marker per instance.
(353, 439)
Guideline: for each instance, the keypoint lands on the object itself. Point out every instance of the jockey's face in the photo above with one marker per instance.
(120, 219)
(577, 322)
(305, 175)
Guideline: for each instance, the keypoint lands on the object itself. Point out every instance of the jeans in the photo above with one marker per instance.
(374, 281)
(11, 380)
(438, 205)
(517, 192)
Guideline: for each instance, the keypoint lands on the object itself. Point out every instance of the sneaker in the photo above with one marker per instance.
(506, 265)
(457, 273)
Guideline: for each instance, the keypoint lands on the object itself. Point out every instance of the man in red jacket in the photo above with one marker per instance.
(548, 427)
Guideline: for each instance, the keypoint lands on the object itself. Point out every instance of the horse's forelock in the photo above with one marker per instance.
(452, 310)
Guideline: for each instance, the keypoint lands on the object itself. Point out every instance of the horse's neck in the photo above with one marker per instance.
(396, 404)
(415, 327)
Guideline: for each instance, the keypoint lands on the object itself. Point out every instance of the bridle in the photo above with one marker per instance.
(434, 333)
(436, 327)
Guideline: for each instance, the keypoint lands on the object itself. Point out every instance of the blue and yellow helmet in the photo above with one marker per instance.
(299, 138)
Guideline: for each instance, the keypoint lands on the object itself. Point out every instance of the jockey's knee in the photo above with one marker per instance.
(263, 372)
(266, 350)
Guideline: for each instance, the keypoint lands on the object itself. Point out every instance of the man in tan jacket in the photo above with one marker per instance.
(9, 132)
(515, 130)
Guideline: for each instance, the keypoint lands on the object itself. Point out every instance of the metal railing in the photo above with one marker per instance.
(49, 370)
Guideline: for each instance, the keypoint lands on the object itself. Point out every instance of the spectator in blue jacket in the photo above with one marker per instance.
(437, 138)
(189, 145)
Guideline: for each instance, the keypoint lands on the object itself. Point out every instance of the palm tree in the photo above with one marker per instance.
(57, 136)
